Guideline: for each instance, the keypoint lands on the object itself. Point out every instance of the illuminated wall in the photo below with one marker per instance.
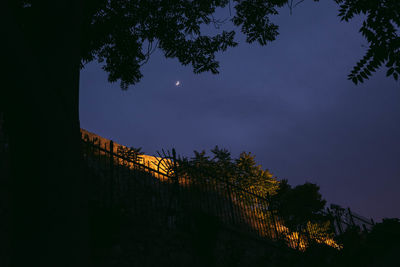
(149, 161)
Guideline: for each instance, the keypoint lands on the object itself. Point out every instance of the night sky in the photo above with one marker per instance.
(289, 103)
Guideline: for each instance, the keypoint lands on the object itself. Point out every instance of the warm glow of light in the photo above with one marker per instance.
(263, 218)
(295, 240)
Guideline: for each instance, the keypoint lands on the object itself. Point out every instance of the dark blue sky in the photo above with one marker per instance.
(288, 103)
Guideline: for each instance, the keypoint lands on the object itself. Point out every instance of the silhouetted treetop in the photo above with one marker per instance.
(299, 205)
(122, 34)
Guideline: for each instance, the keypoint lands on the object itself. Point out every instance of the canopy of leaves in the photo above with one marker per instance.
(252, 176)
(242, 172)
(299, 205)
(122, 34)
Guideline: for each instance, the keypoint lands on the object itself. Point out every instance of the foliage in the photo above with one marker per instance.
(381, 29)
(130, 153)
(252, 176)
(299, 206)
(242, 172)
(321, 233)
(122, 34)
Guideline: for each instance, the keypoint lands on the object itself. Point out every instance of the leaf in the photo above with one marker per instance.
(389, 72)
(391, 61)
(364, 75)
(371, 68)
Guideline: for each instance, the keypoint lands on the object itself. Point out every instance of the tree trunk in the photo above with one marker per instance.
(49, 192)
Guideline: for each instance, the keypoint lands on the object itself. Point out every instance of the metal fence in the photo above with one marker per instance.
(167, 199)
(344, 219)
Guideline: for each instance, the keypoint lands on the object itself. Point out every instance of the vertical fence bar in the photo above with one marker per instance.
(226, 204)
(208, 194)
(267, 222)
(351, 217)
(242, 206)
(253, 213)
(111, 164)
(230, 203)
(256, 213)
(217, 199)
(239, 204)
(272, 216)
(234, 206)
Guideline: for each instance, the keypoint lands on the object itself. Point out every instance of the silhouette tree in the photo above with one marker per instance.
(45, 45)
(299, 205)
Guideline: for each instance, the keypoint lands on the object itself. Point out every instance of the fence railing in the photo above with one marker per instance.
(346, 218)
(166, 198)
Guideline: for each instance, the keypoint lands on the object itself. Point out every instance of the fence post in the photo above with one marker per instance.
(272, 215)
(364, 228)
(228, 187)
(351, 217)
(175, 166)
(173, 193)
(176, 190)
(332, 221)
(339, 224)
(111, 172)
